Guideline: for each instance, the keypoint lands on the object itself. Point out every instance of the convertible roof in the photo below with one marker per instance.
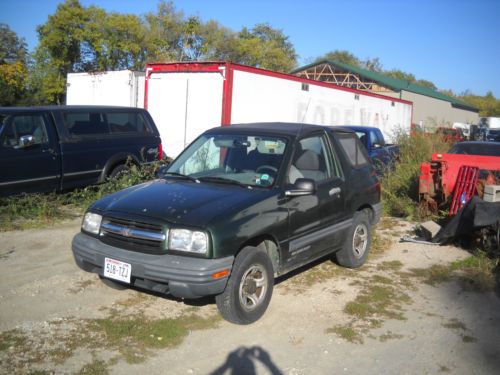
(276, 128)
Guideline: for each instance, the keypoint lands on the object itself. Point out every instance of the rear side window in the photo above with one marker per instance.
(353, 149)
(86, 123)
(126, 122)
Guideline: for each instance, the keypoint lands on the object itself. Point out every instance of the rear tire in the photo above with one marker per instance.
(249, 288)
(357, 243)
(119, 171)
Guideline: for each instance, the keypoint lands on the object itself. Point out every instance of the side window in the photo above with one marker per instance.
(353, 149)
(16, 127)
(85, 123)
(127, 122)
(311, 160)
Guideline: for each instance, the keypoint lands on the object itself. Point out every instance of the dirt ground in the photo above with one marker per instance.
(311, 326)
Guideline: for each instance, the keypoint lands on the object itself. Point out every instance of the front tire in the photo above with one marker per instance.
(357, 243)
(249, 288)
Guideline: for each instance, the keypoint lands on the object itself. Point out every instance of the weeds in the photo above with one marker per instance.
(475, 273)
(38, 210)
(400, 187)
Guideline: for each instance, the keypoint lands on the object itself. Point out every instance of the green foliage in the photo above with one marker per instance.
(488, 105)
(38, 210)
(400, 187)
(342, 56)
(13, 71)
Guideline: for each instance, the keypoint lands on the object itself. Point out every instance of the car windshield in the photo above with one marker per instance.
(247, 160)
(484, 149)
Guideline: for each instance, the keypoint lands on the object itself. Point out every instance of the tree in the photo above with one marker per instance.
(13, 71)
(61, 40)
(342, 56)
(372, 64)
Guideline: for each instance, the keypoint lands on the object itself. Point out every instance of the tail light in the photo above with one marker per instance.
(160, 152)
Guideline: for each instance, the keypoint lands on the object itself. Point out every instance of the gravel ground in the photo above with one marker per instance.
(434, 329)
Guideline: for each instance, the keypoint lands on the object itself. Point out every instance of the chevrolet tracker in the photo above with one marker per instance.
(240, 206)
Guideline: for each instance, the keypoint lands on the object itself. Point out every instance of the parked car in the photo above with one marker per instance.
(383, 155)
(239, 206)
(476, 148)
(450, 135)
(55, 148)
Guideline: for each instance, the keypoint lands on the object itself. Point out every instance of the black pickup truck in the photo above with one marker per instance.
(56, 148)
(241, 205)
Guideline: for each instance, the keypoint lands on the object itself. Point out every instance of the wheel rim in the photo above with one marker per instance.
(360, 241)
(253, 287)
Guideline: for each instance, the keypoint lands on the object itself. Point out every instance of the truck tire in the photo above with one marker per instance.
(118, 171)
(357, 243)
(249, 288)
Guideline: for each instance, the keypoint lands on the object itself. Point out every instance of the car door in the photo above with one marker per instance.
(35, 165)
(314, 219)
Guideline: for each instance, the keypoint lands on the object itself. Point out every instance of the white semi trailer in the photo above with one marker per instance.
(121, 88)
(188, 98)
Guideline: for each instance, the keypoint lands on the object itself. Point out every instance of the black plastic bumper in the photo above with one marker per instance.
(183, 277)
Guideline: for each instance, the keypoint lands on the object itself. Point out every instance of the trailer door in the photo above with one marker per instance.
(183, 105)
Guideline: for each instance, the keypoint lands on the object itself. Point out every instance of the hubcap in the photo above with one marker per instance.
(253, 287)
(360, 241)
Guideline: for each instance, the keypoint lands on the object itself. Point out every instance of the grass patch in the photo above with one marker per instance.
(389, 336)
(380, 243)
(455, 324)
(10, 339)
(96, 367)
(133, 337)
(40, 210)
(475, 273)
(381, 297)
(348, 333)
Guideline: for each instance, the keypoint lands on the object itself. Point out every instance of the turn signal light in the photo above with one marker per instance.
(220, 274)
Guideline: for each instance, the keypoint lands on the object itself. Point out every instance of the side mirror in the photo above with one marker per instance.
(302, 186)
(26, 141)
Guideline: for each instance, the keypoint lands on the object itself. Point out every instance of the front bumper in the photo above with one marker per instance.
(183, 277)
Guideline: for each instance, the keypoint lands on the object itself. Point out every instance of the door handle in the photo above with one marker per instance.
(334, 191)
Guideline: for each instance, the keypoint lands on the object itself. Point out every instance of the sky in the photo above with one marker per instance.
(453, 43)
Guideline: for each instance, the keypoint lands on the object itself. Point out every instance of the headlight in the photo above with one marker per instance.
(188, 240)
(92, 223)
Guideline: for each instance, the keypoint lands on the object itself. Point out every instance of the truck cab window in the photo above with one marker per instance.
(16, 127)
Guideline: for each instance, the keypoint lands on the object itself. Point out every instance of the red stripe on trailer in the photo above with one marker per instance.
(227, 95)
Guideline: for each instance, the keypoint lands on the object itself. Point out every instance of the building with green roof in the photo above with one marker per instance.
(430, 108)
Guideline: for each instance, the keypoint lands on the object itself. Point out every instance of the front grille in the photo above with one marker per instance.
(133, 235)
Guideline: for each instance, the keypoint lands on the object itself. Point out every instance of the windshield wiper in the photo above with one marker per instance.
(176, 174)
(224, 181)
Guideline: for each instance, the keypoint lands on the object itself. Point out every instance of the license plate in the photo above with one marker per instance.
(114, 269)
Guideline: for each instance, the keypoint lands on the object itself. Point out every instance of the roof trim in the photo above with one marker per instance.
(393, 83)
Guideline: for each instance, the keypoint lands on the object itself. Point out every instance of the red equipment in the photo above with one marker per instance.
(455, 176)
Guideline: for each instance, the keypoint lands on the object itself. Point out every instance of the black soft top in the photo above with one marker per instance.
(276, 128)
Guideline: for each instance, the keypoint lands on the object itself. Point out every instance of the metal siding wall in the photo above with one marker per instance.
(434, 112)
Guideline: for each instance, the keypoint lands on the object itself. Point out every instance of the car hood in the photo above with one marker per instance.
(180, 202)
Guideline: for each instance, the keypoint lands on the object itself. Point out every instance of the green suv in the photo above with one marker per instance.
(240, 206)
